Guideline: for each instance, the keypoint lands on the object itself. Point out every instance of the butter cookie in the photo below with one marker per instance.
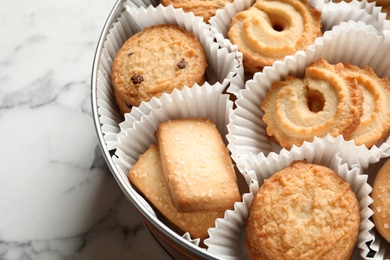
(326, 100)
(381, 201)
(374, 123)
(304, 211)
(271, 29)
(156, 60)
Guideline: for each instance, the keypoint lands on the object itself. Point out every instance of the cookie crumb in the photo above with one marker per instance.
(181, 64)
(137, 79)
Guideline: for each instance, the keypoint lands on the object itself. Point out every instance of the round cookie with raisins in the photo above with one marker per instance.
(156, 60)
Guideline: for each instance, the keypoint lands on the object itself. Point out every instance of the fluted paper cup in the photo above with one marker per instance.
(199, 102)
(247, 131)
(380, 248)
(363, 11)
(227, 239)
(224, 61)
(332, 14)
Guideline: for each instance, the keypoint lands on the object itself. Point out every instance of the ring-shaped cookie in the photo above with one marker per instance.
(325, 101)
(374, 124)
(270, 30)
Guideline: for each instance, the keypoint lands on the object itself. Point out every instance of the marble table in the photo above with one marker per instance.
(58, 199)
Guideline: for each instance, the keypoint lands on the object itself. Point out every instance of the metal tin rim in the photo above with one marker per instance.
(146, 215)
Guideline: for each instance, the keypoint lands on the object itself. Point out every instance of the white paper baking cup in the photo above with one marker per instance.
(372, 7)
(363, 11)
(247, 132)
(380, 247)
(224, 61)
(199, 101)
(227, 239)
(332, 14)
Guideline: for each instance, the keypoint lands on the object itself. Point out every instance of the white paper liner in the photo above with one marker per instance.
(371, 8)
(227, 239)
(332, 14)
(247, 132)
(224, 61)
(199, 101)
(380, 247)
(363, 11)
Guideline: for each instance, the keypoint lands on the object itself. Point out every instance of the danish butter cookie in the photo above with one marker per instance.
(271, 29)
(147, 176)
(326, 100)
(381, 201)
(202, 8)
(197, 165)
(156, 60)
(305, 211)
(374, 123)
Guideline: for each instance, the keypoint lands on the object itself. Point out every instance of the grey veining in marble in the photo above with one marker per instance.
(58, 199)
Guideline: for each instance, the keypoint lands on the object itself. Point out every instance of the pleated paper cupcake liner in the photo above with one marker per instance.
(199, 102)
(227, 239)
(363, 11)
(224, 61)
(379, 246)
(247, 131)
(332, 14)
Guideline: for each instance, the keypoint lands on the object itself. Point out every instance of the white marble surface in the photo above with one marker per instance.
(58, 199)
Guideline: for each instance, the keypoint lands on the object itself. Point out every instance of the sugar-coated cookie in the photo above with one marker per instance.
(381, 201)
(147, 176)
(197, 165)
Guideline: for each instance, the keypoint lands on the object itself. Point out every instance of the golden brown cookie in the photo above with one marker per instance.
(381, 201)
(304, 211)
(326, 100)
(154, 61)
(374, 123)
(202, 8)
(147, 176)
(271, 29)
(197, 165)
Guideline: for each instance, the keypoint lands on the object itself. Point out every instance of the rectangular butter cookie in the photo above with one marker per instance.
(147, 176)
(197, 165)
